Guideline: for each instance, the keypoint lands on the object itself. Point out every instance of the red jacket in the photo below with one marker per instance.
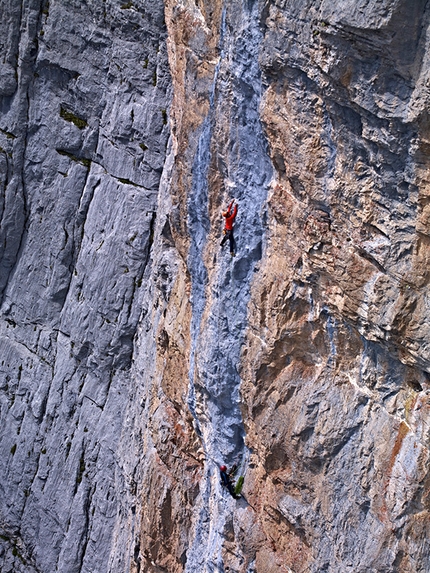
(229, 216)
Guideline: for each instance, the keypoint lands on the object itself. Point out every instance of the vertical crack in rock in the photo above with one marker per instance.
(198, 222)
(221, 284)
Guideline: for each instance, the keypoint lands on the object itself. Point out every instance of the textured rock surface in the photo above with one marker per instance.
(83, 139)
(136, 355)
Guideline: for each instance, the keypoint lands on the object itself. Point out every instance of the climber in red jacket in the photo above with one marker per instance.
(229, 215)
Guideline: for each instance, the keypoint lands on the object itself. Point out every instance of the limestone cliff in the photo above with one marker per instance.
(136, 355)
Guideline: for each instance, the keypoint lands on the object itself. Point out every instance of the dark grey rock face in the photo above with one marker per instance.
(83, 131)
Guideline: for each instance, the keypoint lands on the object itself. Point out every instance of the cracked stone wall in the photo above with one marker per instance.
(336, 370)
(83, 132)
(136, 355)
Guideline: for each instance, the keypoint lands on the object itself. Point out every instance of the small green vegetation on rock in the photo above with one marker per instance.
(69, 116)
(127, 181)
(8, 134)
(164, 114)
(13, 449)
(127, 6)
(86, 162)
(143, 147)
(16, 553)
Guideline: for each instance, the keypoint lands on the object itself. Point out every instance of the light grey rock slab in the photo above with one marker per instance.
(76, 234)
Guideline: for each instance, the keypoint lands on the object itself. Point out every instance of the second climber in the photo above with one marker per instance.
(227, 480)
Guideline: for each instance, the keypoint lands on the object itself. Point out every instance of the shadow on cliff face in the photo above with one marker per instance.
(243, 266)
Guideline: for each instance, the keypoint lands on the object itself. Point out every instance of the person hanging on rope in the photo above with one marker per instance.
(229, 215)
